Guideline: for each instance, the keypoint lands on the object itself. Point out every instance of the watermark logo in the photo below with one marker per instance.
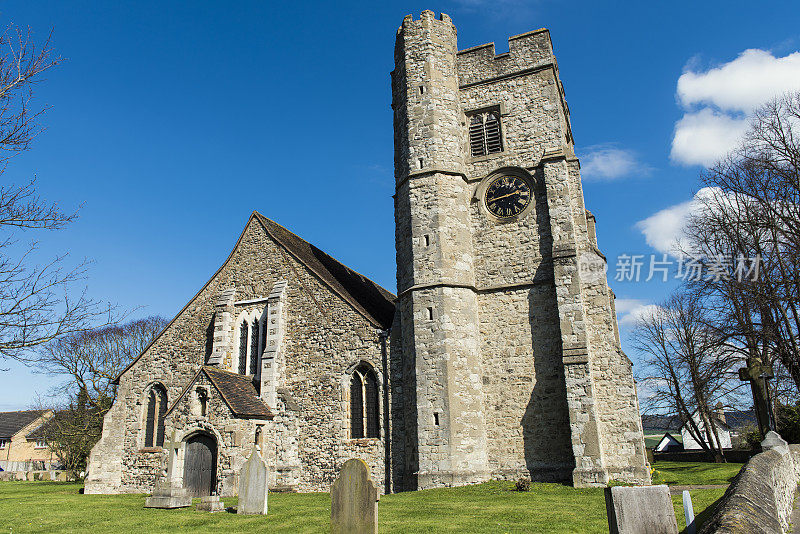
(592, 268)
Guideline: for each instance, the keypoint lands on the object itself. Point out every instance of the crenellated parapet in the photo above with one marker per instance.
(526, 51)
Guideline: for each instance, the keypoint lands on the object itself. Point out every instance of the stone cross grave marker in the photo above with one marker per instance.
(253, 485)
(640, 510)
(354, 500)
(169, 491)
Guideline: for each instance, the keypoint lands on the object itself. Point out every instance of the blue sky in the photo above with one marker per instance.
(172, 121)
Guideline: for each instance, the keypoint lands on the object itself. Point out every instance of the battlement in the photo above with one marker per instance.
(426, 17)
(525, 51)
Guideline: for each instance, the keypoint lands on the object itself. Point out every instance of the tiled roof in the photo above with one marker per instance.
(238, 393)
(41, 431)
(13, 422)
(370, 299)
(740, 419)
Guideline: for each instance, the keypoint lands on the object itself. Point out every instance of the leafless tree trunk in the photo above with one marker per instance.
(687, 369)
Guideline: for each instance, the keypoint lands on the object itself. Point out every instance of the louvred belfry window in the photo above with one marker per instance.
(484, 133)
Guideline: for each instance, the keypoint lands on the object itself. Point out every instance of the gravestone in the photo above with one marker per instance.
(354, 500)
(253, 485)
(210, 503)
(640, 510)
(167, 494)
(169, 491)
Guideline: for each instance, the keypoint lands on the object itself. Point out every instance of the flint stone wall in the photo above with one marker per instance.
(324, 336)
(760, 498)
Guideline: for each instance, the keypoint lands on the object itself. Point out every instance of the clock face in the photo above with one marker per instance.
(507, 196)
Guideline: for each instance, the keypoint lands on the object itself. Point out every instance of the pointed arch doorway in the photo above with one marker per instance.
(200, 465)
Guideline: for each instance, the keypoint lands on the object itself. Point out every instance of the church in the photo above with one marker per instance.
(499, 357)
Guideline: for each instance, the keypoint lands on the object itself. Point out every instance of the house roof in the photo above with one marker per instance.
(369, 299)
(741, 418)
(41, 431)
(12, 422)
(237, 392)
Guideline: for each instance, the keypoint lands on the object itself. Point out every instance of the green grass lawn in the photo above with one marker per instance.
(689, 473)
(492, 507)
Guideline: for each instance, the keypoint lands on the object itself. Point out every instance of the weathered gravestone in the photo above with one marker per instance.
(210, 503)
(640, 510)
(354, 500)
(168, 494)
(169, 491)
(253, 485)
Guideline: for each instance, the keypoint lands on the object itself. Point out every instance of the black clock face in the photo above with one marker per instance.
(507, 196)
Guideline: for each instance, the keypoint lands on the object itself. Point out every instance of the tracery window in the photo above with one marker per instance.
(154, 423)
(254, 352)
(364, 403)
(252, 325)
(243, 348)
(484, 133)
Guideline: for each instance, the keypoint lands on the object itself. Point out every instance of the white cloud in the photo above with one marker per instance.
(665, 229)
(629, 311)
(743, 84)
(718, 101)
(606, 162)
(703, 137)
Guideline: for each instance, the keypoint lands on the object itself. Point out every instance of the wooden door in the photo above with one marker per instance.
(199, 467)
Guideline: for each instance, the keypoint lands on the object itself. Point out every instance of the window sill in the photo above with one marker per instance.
(151, 449)
(487, 157)
(363, 442)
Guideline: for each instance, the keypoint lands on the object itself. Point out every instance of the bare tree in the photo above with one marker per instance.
(38, 302)
(90, 360)
(750, 213)
(687, 371)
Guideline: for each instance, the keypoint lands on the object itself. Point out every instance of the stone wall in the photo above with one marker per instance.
(324, 336)
(761, 497)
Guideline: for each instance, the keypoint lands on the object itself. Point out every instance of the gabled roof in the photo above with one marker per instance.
(237, 391)
(41, 431)
(12, 422)
(367, 297)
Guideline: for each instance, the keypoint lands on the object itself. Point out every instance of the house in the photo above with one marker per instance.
(22, 444)
(668, 444)
(730, 426)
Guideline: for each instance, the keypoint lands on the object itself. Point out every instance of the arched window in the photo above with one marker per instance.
(364, 403)
(243, 349)
(154, 424)
(254, 352)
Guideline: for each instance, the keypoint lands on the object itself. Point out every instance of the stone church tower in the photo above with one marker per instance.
(511, 361)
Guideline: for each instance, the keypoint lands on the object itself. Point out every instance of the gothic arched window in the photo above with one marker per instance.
(364, 403)
(254, 352)
(154, 423)
(243, 349)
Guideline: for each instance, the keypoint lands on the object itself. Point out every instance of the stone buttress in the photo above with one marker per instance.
(435, 280)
